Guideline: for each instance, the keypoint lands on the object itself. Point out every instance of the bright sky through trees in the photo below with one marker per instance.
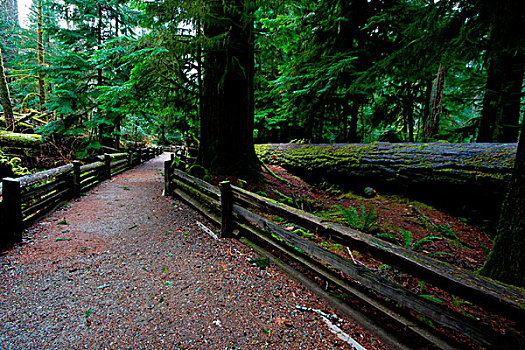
(23, 12)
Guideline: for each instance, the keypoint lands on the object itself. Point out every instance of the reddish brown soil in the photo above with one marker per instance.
(393, 213)
(125, 267)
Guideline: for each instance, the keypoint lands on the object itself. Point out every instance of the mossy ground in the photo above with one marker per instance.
(395, 215)
(401, 221)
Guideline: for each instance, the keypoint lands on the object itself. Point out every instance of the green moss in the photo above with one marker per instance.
(20, 140)
(11, 166)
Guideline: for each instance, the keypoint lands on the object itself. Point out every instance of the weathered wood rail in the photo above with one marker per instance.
(239, 211)
(185, 154)
(29, 198)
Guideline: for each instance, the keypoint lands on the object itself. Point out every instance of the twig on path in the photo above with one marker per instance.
(333, 327)
(207, 230)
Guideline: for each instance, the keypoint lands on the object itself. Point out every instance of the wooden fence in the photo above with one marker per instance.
(240, 212)
(29, 198)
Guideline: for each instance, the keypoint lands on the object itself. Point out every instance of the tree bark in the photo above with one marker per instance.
(354, 113)
(506, 261)
(226, 144)
(506, 63)
(431, 123)
(5, 99)
(40, 56)
(467, 178)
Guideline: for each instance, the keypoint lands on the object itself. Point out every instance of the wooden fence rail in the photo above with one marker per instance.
(29, 198)
(236, 209)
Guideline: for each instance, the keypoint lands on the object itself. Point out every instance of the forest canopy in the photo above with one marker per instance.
(324, 71)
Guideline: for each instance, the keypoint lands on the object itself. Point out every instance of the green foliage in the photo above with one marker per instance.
(200, 172)
(447, 231)
(326, 71)
(305, 234)
(63, 222)
(431, 298)
(297, 201)
(11, 166)
(365, 220)
(405, 239)
(261, 262)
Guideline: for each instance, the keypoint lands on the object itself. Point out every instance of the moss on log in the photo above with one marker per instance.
(19, 140)
(430, 170)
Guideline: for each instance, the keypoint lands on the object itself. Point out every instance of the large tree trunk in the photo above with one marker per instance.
(5, 99)
(506, 62)
(501, 103)
(507, 259)
(226, 144)
(468, 178)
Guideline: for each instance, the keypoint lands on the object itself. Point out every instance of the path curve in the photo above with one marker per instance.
(125, 268)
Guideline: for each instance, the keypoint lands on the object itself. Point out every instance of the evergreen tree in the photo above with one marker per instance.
(505, 59)
(5, 98)
(227, 93)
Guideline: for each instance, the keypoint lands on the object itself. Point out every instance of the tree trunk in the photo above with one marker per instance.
(431, 123)
(5, 99)
(506, 62)
(227, 103)
(506, 262)
(408, 110)
(467, 178)
(40, 56)
(354, 112)
(501, 103)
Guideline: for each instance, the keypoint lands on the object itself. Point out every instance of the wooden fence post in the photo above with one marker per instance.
(107, 166)
(130, 159)
(226, 209)
(167, 178)
(172, 157)
(12, 202)
(139, 156)
(76, 179)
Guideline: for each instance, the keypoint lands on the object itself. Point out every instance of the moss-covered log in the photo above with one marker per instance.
(13, 139)
(459, 174)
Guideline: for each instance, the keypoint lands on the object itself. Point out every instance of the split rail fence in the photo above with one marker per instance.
(240, 213)
(31, 197)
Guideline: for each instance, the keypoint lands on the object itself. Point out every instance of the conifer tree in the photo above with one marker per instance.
(5, 99)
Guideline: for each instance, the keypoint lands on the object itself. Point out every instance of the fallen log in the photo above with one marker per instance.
(13, 139)
(468, 175)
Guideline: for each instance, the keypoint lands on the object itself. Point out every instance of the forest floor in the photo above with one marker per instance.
(409, 223)
(125, 267)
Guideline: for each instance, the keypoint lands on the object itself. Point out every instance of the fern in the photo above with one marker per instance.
(407, 238)
(425, 240)
(363, 221)
(447, 231)
(350, 215)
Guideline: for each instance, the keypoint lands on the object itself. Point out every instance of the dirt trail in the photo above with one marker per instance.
(125, 268)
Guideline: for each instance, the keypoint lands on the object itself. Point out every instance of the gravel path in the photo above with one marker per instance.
(125, 268)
